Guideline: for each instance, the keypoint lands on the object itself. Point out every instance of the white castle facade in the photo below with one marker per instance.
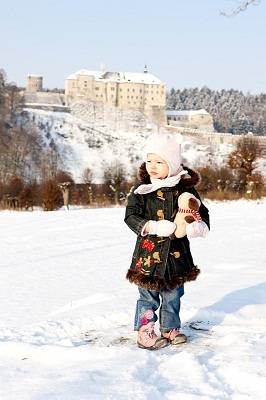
(126, 90)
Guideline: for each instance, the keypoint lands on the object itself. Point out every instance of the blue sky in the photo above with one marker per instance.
(186, 43)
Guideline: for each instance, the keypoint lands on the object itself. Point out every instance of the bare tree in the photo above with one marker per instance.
(65, 187)
(242, 6)
(14, 98)
(51, 195)
(87, 176)
(3, 98)
(114, 176)
(19, 153)
(247, 151)
(243, 161)
(65, 181)
(10, 97)
(51, 164)
(87, 179)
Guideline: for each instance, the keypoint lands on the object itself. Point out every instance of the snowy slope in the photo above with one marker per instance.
(67, 311)
(96, 138)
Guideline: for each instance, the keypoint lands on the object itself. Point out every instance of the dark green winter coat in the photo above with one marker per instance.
(159, 262)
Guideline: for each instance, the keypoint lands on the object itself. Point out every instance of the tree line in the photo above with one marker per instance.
(232, 110)
(237, 178)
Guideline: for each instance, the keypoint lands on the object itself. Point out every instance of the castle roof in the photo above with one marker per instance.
(34, 76)
(121, 77)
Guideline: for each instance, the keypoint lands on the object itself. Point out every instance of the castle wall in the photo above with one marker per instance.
(213, 138)
(192, 120)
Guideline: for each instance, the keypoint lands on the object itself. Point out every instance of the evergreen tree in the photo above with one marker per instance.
(232, 110)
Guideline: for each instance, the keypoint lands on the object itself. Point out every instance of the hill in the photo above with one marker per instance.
(98, 136)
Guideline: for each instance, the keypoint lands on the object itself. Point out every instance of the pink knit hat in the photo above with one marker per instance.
(168, 147)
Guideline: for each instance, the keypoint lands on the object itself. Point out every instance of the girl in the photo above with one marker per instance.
(160, 264)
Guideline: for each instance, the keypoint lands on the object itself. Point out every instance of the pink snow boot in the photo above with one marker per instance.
(174, 337)
(147, 338)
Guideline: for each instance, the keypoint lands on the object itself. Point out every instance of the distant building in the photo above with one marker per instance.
(35, 96)
(128, 90)
(194, 119)
(34, 83)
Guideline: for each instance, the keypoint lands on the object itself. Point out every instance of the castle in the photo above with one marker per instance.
(126, 90)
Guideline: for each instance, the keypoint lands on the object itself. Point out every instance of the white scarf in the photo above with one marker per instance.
(159, 183)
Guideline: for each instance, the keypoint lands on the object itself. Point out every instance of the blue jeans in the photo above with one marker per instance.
(149, 302)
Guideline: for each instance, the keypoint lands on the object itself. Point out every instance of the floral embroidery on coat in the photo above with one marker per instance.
(139, 263)
(148, 245)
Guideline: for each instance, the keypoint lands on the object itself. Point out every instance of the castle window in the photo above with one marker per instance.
(112, 88)
(132, 97)
(152, 98)
(128, 97)
(140, 90)
(120, 90)
(97, 88)
(128, 90)
(133, 90)
(121, 97)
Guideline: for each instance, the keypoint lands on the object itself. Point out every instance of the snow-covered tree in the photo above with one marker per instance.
(231, 110)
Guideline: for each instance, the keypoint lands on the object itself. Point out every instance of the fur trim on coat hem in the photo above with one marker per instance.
(153, 283)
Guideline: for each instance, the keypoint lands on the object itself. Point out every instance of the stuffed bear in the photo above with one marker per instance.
(188, 207)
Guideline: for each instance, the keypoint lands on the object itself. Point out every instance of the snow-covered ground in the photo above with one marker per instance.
(66, 313)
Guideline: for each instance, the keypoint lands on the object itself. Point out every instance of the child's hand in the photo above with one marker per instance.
(161, 228)
(197, 229)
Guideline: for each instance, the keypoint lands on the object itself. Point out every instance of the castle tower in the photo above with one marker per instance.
(34, 83)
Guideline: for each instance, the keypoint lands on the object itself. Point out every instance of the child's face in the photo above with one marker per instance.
(156, 166)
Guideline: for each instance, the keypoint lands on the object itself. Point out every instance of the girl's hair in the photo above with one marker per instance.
(143, 175)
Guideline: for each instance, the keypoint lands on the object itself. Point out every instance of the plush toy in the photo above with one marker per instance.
(188, 212)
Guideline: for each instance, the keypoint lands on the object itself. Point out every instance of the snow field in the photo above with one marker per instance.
(67, 311)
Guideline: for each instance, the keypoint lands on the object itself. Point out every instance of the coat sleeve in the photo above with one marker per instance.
(203, 210)
(135, 210)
